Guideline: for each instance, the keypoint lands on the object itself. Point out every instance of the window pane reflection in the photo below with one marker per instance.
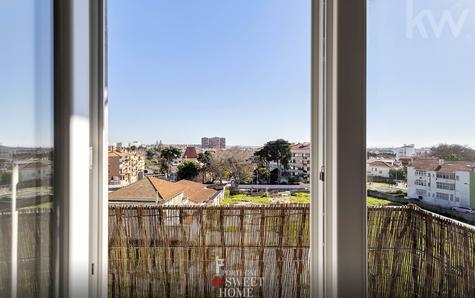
(26, 149)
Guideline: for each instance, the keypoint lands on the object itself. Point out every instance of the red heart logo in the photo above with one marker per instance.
(217, 282)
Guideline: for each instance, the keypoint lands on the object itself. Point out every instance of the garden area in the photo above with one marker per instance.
(283, 198)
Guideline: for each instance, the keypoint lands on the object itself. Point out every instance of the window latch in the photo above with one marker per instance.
(91, 156)
(322, 173)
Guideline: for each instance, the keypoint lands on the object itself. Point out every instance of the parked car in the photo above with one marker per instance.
(463, 210)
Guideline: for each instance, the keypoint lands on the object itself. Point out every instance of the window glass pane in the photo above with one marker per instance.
(210, 110)
(26, 149)
(421, 150)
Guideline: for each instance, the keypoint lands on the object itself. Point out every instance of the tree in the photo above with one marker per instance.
(152, 159)
(398, 174)
(205, 159)
(277, 151)
(188, 170)
(239, 169)
(262, 175)
(453, 152)
(169, 154)
(234, 164)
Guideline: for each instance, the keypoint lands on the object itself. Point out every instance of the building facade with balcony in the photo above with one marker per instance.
(125, 167)
(443, 183)
(299, 165)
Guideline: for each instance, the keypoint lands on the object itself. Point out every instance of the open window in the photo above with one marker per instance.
(311, 51)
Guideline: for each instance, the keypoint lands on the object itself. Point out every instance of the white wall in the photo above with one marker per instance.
(458, 197)
(377, 171)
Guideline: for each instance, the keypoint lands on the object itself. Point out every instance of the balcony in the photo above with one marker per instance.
(172, 251)
(411, 252)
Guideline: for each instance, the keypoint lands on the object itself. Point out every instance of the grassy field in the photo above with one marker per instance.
(300, 198)
(370, 201)
(295, 198)
(243, 198)
(44, 205)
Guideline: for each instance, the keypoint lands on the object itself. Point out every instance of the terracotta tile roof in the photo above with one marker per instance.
(380, 164)
(300, 146)
(447, 166)
(141, 191)
(196, 192)
(457, 166)
(113, 154)
(117, 153)
(190, 152)
(426, 164)
(167, 190)
(152, 189)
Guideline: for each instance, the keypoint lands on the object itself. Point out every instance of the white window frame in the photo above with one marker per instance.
(338, 220)
(80, 116)
(339, 217)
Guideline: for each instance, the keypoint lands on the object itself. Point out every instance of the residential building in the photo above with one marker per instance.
(299, 165)
(396, 152)
(379, 168)
(152, 190)
(440, 182)
(213, 143)
(34, 170)
(125, 167)
(118, 168)
(406, 151)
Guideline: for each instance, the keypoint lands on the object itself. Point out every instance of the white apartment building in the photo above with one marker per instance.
(379, 168)
(299, 165)
(443, 183)
(398, 152)
(406, 150)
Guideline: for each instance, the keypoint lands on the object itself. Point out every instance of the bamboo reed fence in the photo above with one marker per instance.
(171, 251)
(34, 253)
(414, 253)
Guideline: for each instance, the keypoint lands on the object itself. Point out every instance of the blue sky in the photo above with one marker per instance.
(26, 73)
(180, 70)
(420, 90)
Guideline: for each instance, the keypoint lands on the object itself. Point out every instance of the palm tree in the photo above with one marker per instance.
(169, 154)
(205, 159)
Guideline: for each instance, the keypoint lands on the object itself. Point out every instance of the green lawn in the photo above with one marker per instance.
(44, 205)
(370, 201)
(295, 198)
(300, 198)
(233, 199)
(381, 184)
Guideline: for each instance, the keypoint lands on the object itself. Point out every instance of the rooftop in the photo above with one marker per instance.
(381, 164)
(190, 153)
(153, 190)
(446, 166)
(300, 146)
